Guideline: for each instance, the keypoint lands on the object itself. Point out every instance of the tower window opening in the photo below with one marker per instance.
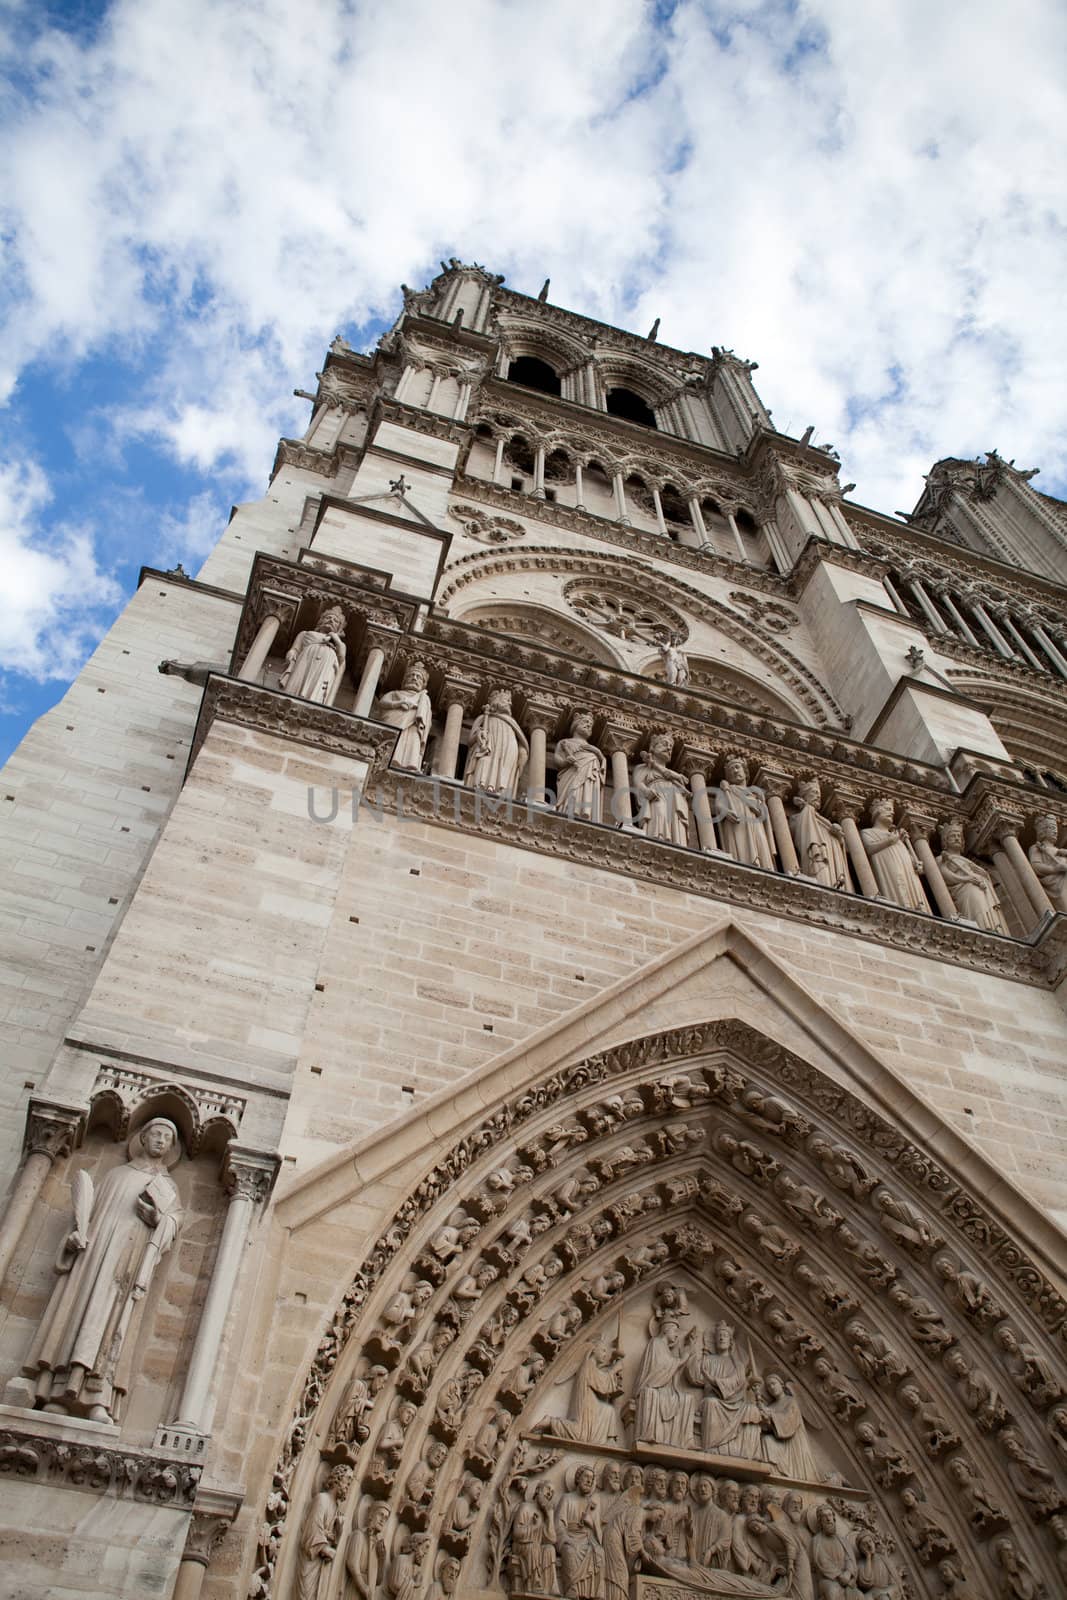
(675, 508)
(624, 403)
(534, 373)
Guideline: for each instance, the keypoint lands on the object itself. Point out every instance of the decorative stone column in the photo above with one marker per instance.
(619, 487)
(539, 720)
(254, 662)
(919, 828)
(925, 604)
(776, 785)
(1001, 827)
(993, 633)
(368, 681)
(498, 464)
(52, 1131)
(539, 473)
(845, 809)
(1038, 630)
(661, 521)
(458, 698)
(213, 1515)
(696, 764)
(729, 512)
(956, 614)
(1026, 650)
(249, 1177)
(579, 487)
(696, 516)
(617, 742)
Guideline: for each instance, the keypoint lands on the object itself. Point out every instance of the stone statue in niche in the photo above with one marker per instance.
(969, 884)
(740, 812)
(408, 708)
(893, 860)
(580, 770)
(315, 662)
(819, 843)
(1049, 861)
(730, 1419)
(319, 1534)
(675, 661)
(661, 792)
(596, 1385)
(498, 749)
(81, 1356)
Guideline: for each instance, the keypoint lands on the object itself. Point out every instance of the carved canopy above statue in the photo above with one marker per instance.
(685, 1318)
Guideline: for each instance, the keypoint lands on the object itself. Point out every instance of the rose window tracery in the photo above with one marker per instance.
(616, 611)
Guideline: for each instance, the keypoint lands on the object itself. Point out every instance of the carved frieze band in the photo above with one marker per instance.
(98, 1468)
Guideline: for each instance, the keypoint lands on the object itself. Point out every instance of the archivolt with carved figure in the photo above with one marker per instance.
(686, 1319)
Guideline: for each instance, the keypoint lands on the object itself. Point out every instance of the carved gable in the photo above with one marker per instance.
(690, 1295)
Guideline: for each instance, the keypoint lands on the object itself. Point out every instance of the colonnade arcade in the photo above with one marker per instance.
(686, 1318)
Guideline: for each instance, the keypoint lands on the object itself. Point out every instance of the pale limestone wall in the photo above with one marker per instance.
(271, 525)
(82, 801)
(464, 946)
(94, 1546)
(215, 965)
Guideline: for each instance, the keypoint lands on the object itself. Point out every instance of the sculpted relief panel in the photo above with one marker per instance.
(688, 1320)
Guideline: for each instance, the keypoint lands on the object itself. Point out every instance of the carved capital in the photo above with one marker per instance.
(541, 713)
(213, 1515)
(249, 1174)
(52, 1130)
(917, 825)
(460, 692)
(696, 761)
(774, 783)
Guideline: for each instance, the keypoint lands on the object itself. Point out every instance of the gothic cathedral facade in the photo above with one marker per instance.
(534, 1014)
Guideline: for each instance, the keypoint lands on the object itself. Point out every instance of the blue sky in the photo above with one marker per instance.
(195, 196)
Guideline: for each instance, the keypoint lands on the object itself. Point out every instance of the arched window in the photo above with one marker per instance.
(624, 403)
(534, 373)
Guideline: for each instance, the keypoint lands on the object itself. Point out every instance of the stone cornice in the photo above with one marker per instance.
(184, 581)
(286, 716)
(1040, 961)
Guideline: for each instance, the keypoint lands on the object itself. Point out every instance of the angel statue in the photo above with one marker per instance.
(81, 1357)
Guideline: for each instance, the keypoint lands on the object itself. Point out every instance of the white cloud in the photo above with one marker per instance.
(866, 199)
(52, 585)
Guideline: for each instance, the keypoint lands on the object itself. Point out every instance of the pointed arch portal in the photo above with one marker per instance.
(686, 1317)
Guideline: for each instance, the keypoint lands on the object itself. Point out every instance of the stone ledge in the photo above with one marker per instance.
(69, 1453)
(286, 716)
